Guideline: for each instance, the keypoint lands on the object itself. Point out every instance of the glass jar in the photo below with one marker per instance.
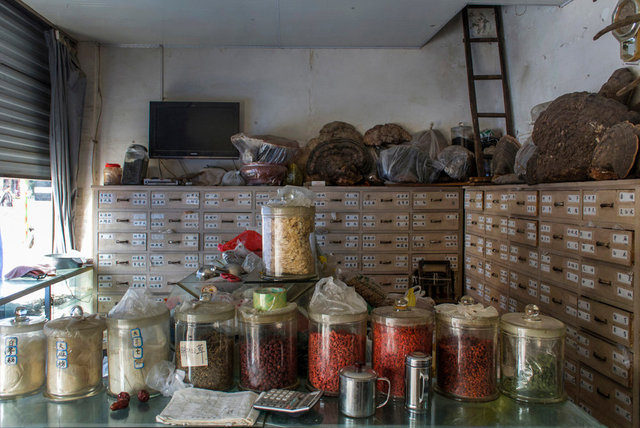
(112, 174)
(467, 350)
(74, 355)
(134, 346)
(335, 341)
(532, 356)
(136, 161)
(462, 135)
(205, 341)
(23, 347)
(288, 242)
(268, 357)
(398, 331)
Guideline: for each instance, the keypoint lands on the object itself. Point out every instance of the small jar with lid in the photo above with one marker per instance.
(112, 174)
(398, 331)
(205, 342)
(268, 357)
(74, 355)
(24, 351)
(532, 356)
(335, 341)
(467, 350)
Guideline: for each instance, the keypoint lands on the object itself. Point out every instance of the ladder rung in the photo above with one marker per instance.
(491, 115)
(483, 39)
(487, 76)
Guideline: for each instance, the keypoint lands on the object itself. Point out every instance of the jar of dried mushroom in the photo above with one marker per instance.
(288, 242)
(23, 347)
(205, 343)
(74, 355)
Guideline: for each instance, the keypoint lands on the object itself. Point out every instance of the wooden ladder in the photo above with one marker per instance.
(507, 114)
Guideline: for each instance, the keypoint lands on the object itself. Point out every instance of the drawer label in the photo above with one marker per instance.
(573, 199)
(621, 396)
(589, 198)
(624, 278)
(573, 245)
(620, 332)
(626, 212)
(621, 359)
(624, 293)
(626, 197)
(589, 211)
(620, 254)
(588, 283)
(624, 413)
(620, 319)
(619, 238)
(590, 270)
(619, 371)
(584, 316)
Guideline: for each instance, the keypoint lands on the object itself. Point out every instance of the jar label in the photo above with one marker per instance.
(61, 355)
(193, 353)
(11, 351)
(138, 353)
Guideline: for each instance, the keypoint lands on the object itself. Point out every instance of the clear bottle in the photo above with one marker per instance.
(268, 357)
(24, 350)
(462, 135)
(136, 161)
(335, 341)
(112, 174)
(205, 343)
(467, 350)
(398, 331)
(532, 359)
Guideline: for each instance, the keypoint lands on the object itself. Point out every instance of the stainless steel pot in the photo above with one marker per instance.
(357, 391)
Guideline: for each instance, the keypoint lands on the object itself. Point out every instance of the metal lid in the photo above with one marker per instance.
(418, 359)
(467, 313)
(337, 319)
(205, 311)
(75, 324)
(21, 323)
(359, 373)
(401, 314)
(532, 324)
(248, 314)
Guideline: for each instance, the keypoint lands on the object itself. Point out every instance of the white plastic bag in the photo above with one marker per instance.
(164, 377)
(135, 303)
(334, 297)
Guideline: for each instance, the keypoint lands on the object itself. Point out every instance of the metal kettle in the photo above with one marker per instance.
(357, 391)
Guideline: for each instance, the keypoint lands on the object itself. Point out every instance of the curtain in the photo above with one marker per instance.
(68, 86)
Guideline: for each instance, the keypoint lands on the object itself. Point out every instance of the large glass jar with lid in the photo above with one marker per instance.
(205, 342)
(136, 161)
(268, 348)
(24, 351)
(398, 331)
(532, 356)
(335, 341)
(74, 355)
(467, 350)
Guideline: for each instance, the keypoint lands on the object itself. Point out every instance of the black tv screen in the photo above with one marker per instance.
(179, 129)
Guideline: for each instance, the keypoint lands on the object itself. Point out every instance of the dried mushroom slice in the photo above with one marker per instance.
(616, 153)
(389, 133)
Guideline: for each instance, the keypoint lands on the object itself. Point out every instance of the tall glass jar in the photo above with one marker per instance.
(74, 356)
(398, 331)
(467, 350)
(288, 242)
(23, 352)
(134, 345)
(205, 342)
(136, 161)
(335, 341)
(532, 356)
(268, 356)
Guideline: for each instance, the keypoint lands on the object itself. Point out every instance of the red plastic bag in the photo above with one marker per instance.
(250, 239)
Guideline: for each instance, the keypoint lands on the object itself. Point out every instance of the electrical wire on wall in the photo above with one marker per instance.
(94, 140)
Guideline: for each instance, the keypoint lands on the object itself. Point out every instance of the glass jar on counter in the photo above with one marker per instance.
(288, 242)
(462, 135)
(112, 174)
(134, 346)
(268, 357)
(24, 351)
(335, 341)
(205, 343)
(398, 331)
(74, 356)
(136, 161)
(532, 356)
(467, 350)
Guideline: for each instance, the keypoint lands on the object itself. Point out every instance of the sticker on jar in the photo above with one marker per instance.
(193, 353)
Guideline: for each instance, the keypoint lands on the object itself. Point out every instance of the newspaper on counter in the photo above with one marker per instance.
(201, 407)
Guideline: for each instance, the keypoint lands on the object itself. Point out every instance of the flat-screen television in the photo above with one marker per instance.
(184, 129)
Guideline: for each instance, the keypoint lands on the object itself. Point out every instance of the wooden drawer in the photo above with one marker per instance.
(492, 249)
(337, 222)
(473, 200)
(212, 240)
(559, 302)
(571, 376)
(183, 262)
(392, 283)
(560, 237)
(346, 262)
(571, 342)
(609, 245)
(338, 242)
(496, 201)
(397, 222)
(435, 221)
(608, 399)
(560, 269)
(228, 200)
(164, 283)
(226, 221)
(122, 241)
(474, 245)
(555, 204)
(617, 206)
(386, 200)
(264, 196)
(120, 283)
(523, 287)
(496, 275)
(122, 221)
(434, 241)
(523, 231)
(178, 221)
(123, 199)
(523, 203)
(612, 360)
(523, 258)
(339, 200)
(474, 266)
(516, 305)
(175, 199)
(106, 302)
(385, 241)
(496, 226)
(122, 262)
(474, 223)
(607, 321)
(452, 258)
(474, 287)
(491, 297)
(385, 263)
(439, 200)
(611, 282)
(174, 241)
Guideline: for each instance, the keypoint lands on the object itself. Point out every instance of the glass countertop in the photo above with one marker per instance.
(11, 289)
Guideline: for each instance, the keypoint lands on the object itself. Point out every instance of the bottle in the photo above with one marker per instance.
(112, 174)
(136, 161)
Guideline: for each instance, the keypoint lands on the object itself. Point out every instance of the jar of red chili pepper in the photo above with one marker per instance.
(467, 350)
(397, 331)
(335, 341)
(268, 356)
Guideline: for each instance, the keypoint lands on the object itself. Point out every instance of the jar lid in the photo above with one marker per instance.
(143, 320)
(205, 311)
(359, 373)
(418, 359)
(137, 147)
(112, 165)
(401, 314)
(337, 319)
(76, 324)
(248, 314)
(467, 313)
(21, 323)
(532, 324)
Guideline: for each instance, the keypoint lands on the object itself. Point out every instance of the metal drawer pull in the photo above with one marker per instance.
(599, 357)
(435, 242)
(385, 242)
(519, 230)
(122, 220)
(493, 274)
(556, 269)
(607, 205)
(474, 222)
(473, 288)
(171, 283)
(227, 221)
(600, 320)
(335, 200)
(602, 244)
(604, 282)
(522, 287)
(228, 199)
(122, 283)
(335, 221)
(493, 299)
(558, 204)
(386, 200)
(174, 242)
(607, 396)
(175, 220)
(126, 241)
(560, 237)
(436, 221)
(495, 201)
(335, 242)
(122, 263)
(436, 200)
(522, 259)
(386, 221)
(385, 263)
(556, 301)
(173, 262)
(386, 284)
(175, 199)
(472, 266)
(519, 202)
(122, 200)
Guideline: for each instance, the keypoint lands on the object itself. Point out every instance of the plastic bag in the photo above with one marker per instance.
(251, 240)
(266, 174)
(164, 377)
(428, 169)
(334, 297)
(457, 162)
(237, 255)
(522, 157)
(252, 262)
(233, 178)
(398, 164)
(430, 142)
(265, 148)
(137, 301)
(293, 196)
(209, 177)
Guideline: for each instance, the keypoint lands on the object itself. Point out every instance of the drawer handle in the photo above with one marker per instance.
(522, 287)
(474, 222)
(599, 357)
(228, 199)
(519, 230)
(174, 262)
(436, 200)
(171, 283)
(386, 200)
(174, 242)
(472, 200)
(602, 394)
(604, 282)
(556, 301)
(335, 221)
(335, 200)
(175, 220)
(435, 221)
(493, 299)
(385, 263)
(122, 283)
(227, 221)
(122, 200)
(556, 269)
(495, 201)
(606, 205)
(386, 221)
(471, 244)
(558, 204)
(602, 244)
(175, 199)
(522, 259)
(519, 202)
(122, 263)
(600, 320)
(335, 242)
(559, 237)
(385, 242)
(435, 242)
(122, 220)
(126, 241)
(493, 274)
(472, 288)
(472, 266)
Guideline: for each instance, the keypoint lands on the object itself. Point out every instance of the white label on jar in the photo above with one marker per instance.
(136, 341)
(11, 350)
(61, 354)
(193, 353)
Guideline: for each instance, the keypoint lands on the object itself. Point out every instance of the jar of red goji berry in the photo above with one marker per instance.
(467, 350)
(398, 331)
(335, 341)
(268, 348)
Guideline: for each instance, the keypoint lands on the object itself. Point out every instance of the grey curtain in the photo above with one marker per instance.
(68, 86)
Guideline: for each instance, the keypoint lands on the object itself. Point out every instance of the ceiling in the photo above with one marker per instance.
(267, 23)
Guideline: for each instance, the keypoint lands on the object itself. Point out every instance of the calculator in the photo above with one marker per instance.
(290, 402)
